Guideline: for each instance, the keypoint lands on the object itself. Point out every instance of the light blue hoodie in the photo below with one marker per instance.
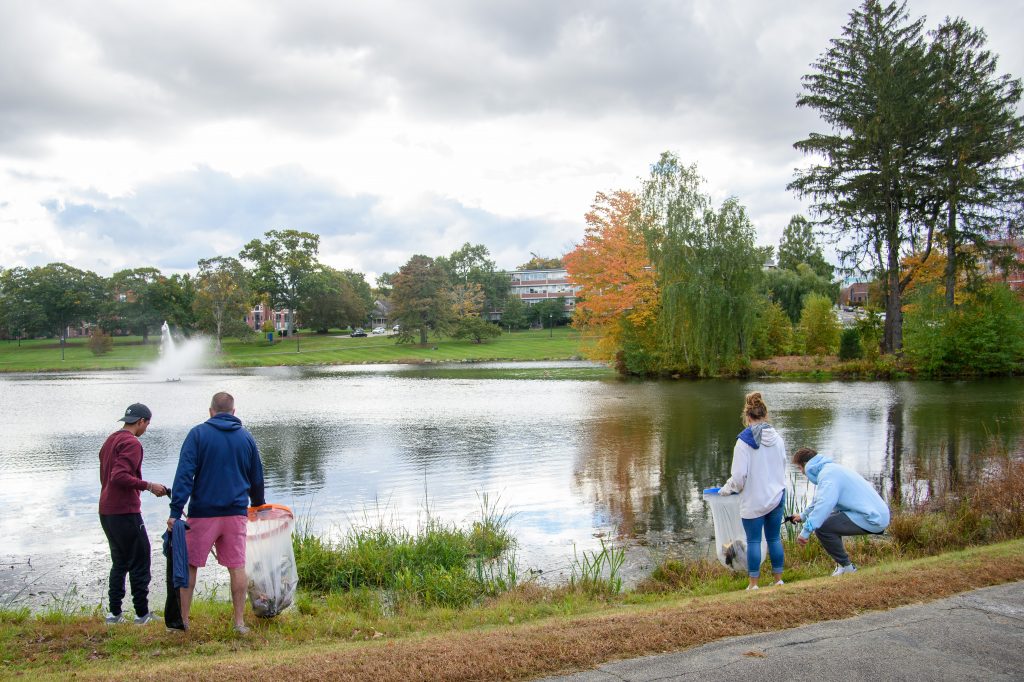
(842, 489)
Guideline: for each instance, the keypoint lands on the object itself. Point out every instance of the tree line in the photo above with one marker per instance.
(917, 182)
(445, 295)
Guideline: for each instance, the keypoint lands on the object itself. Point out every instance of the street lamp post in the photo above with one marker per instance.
(551, 327)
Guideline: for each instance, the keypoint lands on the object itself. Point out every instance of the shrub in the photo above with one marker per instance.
(819, 328)
(849, 345)
(984, 334)
(99, 342)
(773, 332)
(475, 329)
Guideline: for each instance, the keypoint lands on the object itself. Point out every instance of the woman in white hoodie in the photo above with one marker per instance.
(759, 476)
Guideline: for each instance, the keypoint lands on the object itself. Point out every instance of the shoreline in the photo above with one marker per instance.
(508, 641)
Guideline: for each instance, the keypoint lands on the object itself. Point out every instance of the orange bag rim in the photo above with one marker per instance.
(252, 511)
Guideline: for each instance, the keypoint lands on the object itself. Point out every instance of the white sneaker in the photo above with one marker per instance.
(778, 582)
(751, 587)
(840, 570)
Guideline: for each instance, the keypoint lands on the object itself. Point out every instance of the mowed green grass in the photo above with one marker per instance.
(44, 355)
(312, 349)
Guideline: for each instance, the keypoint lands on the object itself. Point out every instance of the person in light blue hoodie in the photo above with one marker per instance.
(844, 504)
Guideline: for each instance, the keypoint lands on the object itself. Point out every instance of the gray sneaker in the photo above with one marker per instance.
(148, 618)
(113, 619)
(242, 629)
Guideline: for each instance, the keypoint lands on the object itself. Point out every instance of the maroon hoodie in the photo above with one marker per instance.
(121, 474)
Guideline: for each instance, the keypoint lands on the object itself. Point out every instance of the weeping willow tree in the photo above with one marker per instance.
(708, 269)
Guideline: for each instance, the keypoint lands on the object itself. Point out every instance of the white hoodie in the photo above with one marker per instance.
(758, 474)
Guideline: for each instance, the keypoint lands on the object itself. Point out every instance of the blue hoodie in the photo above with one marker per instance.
(219, 470)
(842, 489)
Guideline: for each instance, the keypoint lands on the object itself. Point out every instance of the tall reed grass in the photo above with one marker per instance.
(597, 572)
(438, 564)
(989, 508)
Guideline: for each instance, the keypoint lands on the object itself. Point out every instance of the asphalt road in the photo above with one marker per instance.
(977, 635)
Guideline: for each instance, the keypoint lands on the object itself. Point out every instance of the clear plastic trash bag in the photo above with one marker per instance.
(270, 559)
(730, 538)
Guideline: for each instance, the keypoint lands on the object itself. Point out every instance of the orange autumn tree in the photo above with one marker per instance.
(616, 280)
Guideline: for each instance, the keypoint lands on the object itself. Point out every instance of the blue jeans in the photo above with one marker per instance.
(771, 525)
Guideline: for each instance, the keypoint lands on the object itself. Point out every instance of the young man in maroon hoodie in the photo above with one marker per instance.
(121, 513)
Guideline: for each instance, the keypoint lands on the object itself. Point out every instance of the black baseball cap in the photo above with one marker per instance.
(135, 412)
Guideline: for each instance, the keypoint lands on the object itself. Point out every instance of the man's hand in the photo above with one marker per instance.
(170, 524)
(801, 540)
(158, 489)
(797, 518)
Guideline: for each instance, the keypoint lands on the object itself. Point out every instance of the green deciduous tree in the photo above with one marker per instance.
(334, 298)
(708, 268)
(175, 297)
(547, 313)
(222, 297)
(819, 328)
(420, 299)
(133, 301)
(65, 296)
(475, 328)
(799, 245)
(20, 314)
(282, 261)
(773, 331)
(384, 283)
(541, 263)
(790, 287)
(471, 264)
(868, 178)
(982, 335)
(513, 314)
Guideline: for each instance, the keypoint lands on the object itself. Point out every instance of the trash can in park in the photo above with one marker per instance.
(730, 538)
(270, 337)
(270, 560)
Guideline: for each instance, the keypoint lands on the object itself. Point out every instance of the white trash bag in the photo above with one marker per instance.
(270, 559)
(730, 538)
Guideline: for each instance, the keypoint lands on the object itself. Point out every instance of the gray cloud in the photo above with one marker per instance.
(698, 77)
(731, 68)
(172, 223)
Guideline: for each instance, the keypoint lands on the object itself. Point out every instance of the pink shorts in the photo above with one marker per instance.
(226, 533)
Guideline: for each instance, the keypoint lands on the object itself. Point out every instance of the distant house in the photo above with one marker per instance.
(380, 315)
(258, 315)
(855, 294)
(534, 286)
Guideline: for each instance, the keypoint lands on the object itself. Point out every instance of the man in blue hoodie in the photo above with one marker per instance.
(844, 504)
(219, 473)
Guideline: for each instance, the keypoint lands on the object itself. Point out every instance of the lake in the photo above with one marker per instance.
(577, 461)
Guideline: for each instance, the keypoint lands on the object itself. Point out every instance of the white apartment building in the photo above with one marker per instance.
(534, 286)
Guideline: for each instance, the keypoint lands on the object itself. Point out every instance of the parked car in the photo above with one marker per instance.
(378, 330)
(397, 328)
(358, 332)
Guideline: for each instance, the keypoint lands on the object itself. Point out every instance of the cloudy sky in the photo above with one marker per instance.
(135, 133)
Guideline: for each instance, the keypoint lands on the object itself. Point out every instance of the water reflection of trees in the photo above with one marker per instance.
(644, 470)
(295, 456)
(937, 438)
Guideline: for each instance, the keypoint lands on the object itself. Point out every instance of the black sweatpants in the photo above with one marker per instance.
(129, 554)
(831, 534)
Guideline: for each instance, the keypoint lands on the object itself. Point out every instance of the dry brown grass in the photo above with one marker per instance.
(558, 645)
(786, 364)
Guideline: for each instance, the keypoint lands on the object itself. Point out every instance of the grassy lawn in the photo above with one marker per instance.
(310, 349)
